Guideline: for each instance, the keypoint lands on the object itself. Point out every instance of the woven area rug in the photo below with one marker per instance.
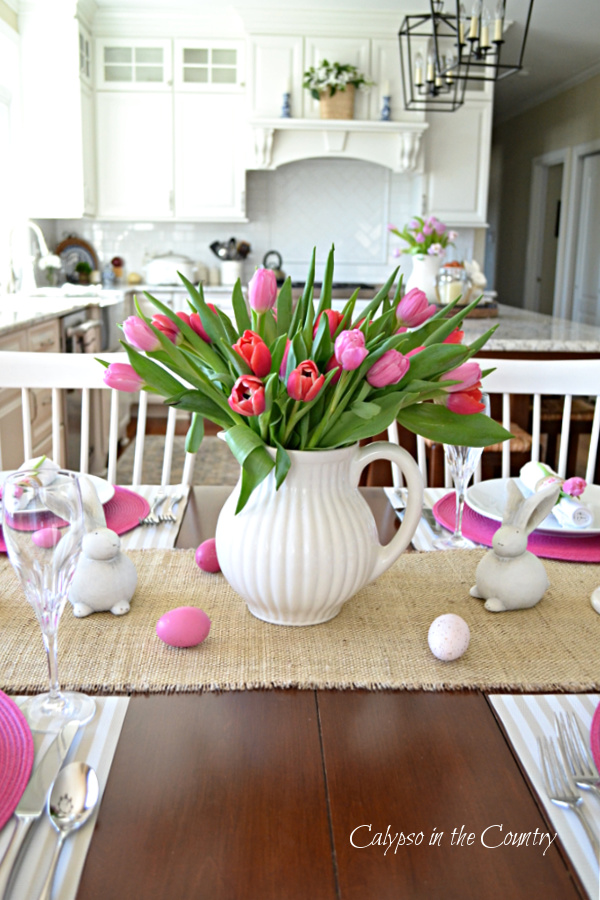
(214, 464)
(379, 640)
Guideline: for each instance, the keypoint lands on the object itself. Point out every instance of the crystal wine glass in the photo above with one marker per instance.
(43, 527)
(462, 462)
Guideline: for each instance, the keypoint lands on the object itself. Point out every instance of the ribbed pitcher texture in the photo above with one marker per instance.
(297, 554)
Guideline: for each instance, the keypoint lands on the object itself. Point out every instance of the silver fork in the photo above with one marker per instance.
(576, 754)
(560, 789)
(152, 517)
(169, 515)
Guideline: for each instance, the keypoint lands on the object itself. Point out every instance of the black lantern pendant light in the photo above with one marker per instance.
(440, 52)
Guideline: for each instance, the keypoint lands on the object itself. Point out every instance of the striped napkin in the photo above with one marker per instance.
(164, 535)
(94, 744)
(526, 717)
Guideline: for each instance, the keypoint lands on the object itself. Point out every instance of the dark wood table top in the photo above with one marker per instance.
(316, 795)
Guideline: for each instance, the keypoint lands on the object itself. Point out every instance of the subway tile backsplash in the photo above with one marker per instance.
(310, 203)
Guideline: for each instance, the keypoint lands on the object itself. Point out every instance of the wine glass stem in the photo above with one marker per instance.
(460, 487)
(51, 647)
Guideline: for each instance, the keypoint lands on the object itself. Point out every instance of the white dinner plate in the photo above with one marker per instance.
(104, 488)
(489, 499)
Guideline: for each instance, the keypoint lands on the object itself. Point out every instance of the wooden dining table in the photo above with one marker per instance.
(286, 794)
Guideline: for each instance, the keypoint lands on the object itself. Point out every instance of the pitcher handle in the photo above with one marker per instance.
(389, 553)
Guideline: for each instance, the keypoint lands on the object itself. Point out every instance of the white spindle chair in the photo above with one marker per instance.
(64, 371)
(534, 378)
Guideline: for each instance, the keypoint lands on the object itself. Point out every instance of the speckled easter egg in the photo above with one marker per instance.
(448, 637)
(46, 537)
(184, 626)
(206, 556)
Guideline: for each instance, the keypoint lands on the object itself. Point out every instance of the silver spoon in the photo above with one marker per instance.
(71, 803)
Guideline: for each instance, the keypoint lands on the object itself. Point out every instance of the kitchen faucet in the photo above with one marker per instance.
(25, 280)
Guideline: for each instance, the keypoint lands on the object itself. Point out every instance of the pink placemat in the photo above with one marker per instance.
(595, 736)
(123, 512)
(16, 756)
(576, 548)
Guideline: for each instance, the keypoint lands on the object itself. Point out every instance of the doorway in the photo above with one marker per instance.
(586, 286)
(546, 238)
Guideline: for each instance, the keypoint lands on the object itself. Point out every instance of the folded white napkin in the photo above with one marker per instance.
(569, 512)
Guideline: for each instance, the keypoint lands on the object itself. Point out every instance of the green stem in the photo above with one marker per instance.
(327, 413)
(291, 422)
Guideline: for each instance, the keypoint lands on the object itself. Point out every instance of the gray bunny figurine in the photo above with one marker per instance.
(509, 576)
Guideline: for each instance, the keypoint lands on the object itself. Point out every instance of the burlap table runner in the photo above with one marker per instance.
(379, 640)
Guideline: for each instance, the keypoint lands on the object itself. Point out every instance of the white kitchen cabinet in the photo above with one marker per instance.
(210, 176)
(275, 67)
(124, 64)
(209, 65)
(57, 113)
(135, 154)
(345, 50)
(457, 150)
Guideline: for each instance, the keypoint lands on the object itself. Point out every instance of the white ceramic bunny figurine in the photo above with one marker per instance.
(509, 576)
(105, 579)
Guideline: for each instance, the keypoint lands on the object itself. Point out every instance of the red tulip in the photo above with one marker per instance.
(253, 349)
(334, 364)
(168, 328)
(196, 323)
(283, 366)
(455, 337)
(247, 396)
(465, 402)
(305, 382)
(334, 318)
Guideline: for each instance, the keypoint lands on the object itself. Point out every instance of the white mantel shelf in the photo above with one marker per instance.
(395, 145)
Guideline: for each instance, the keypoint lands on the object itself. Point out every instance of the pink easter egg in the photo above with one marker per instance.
(46, 537)
(184, 626)
(206, 556)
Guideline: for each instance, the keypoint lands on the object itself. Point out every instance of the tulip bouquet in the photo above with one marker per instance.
(308, 377)
(424, 237)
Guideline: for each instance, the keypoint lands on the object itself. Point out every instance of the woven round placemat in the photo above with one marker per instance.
(379, 640)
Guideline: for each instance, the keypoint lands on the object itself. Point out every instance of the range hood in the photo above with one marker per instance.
(396, 145)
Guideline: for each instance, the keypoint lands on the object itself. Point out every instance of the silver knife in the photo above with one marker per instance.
(33, 801)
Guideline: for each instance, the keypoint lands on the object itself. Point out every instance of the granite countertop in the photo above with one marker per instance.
(521, 330)
(20, 311)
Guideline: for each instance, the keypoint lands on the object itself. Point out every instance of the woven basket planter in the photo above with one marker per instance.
(340, 106)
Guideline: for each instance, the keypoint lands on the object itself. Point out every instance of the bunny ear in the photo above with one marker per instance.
(536, 508)
(514, 502)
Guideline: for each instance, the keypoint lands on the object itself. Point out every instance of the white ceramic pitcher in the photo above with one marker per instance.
(297, 554)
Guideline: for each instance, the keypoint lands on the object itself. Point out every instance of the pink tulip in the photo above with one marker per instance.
(413, 309)
(390, 368)
(253, 349)
(334, 318)
(414, 351)
(420, 238)
(123, 377)
(140, 335)
(427, 228)
(262, 290)
(305, 381)
(574, 487)
(247, 396)
(350, 349)
(465, 402)
(467, 376)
